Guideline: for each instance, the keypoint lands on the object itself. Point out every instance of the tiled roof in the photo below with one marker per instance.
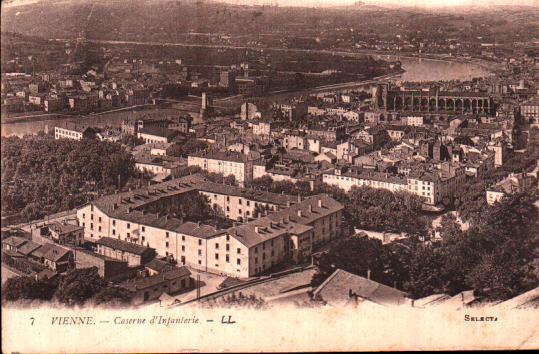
(285, 221)
(337, 288)
(165, 161)
(122, 245)
(51, 252)
(157, 131)
(28, 248)
(14, 241)
(293, 219)
(64, 228)
(198, 230)
(147, 282)
(224, 156)
(159, 265)
(375, 176)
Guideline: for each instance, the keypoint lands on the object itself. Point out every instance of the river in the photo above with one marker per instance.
(415, 70)
(419, 69)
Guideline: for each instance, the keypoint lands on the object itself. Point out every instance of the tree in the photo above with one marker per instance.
(426, 269)
(196, 207)
(449, 227)
(357, 255)
(79, 285)
(193, 145)
(508, 240)
(21, 287)
(131, 140)
(264, 183)
(496, 256)
(113, 295)
(335, 192)
(382, 210)
(47, 175)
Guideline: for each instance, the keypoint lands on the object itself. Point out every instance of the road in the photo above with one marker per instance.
(58, 217)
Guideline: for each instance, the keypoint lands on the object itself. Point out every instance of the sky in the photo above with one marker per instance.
(325, 3)
(422, 3)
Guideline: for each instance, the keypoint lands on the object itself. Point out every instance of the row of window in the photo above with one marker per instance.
(227, 259)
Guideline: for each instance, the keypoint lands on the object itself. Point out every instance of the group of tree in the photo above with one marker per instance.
(496, 256)
(266, 183)
(41, 175)
(131, 140)
(365, 207)
(193, 145)
(471, 200)
(303, 188)
(76, 287)
(195, 207)
(382, 210)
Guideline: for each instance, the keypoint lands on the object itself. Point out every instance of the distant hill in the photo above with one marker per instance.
(166, 19)
(171, 20)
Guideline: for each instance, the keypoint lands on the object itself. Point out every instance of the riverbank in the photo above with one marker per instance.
(33, 118)
(429, 56)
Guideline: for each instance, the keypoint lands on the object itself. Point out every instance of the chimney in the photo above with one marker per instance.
(369, 274)
(320, 203)
(288, 203)
(166, 217)
(310, 208)
(257, 229)
(299, 213)
(158, 215)
(114, 206)
(413, 301)
(198, 223)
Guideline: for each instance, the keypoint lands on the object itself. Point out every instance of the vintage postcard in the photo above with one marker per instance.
(269, 175)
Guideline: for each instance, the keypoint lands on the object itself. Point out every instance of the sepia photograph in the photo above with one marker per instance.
(269, 175)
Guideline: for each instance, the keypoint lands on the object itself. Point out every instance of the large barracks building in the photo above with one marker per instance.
(287, 229)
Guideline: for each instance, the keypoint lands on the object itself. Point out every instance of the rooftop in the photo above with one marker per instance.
(223, 155)
(122, 245)
(341, 284)
(51, 252)
(147, 282)
(14, 241)
(62, 228)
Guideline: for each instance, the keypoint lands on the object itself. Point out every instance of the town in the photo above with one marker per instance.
(306, 167)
